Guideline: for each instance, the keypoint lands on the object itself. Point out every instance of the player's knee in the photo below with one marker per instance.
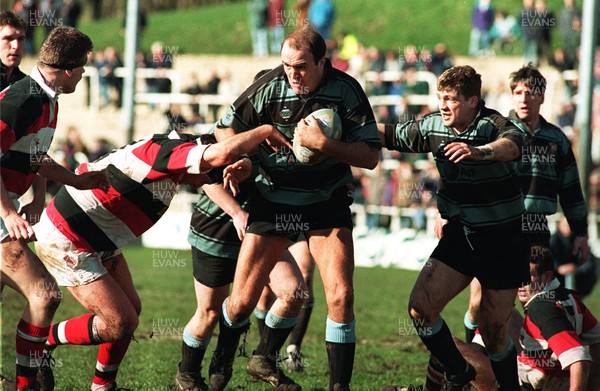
(494, 334)
(137, 305)
(45, 300)
(211, 317)
(342, 297)
(239, 313)
(121, 327)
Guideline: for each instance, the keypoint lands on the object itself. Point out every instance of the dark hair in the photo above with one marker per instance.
(531, 77)
(542, 258)
(65, 48)
(463, 79)
(9, 18)
(306, 37)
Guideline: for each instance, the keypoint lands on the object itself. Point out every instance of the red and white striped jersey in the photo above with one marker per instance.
(143, 178)
(556, 329)
(28, 112)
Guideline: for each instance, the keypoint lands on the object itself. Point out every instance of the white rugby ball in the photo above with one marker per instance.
(331, 126)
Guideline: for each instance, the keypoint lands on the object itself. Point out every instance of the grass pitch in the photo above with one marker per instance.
(388, 351)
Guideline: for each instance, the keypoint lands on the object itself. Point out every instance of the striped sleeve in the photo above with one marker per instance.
(558, 331)
(407, 136)
(570, 194)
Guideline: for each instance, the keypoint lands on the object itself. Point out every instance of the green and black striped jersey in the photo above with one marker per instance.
(547, 171)
(479, 194)
(212, 230)
(270, 100)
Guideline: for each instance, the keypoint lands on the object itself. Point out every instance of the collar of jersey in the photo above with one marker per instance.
(39, 79)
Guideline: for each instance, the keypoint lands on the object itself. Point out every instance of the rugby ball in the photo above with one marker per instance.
(331, 126)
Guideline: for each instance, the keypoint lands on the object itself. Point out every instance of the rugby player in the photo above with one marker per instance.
(81, 233)
(475, 149)
(314, 196)
(28, 118)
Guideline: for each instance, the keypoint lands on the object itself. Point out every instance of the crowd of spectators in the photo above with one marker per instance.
(405, 181)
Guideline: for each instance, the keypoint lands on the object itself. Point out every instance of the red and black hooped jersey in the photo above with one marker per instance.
(556, 329)
(28, 112)
(143, 179)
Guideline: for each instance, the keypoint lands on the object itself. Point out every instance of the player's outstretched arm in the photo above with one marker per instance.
(594, 378)
(579, 372)
(229, 204)
(503, 149)
(230, 149)
(87, 180)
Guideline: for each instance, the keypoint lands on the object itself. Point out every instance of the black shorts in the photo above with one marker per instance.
(271, 218)
(212, 271)
(499, 260)
(535, 227)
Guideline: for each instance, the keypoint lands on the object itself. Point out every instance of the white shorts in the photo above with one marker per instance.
(69, 266)
(540, 381)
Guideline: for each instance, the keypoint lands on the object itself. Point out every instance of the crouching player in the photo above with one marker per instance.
(556, 329)
(81, 233)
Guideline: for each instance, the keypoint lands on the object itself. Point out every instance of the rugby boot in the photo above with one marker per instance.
(45, 374)
(221, 369)
(35, 386)
(185, 381)
(400, 388)
(265, 368)
(459, 382)
(294, 361)
(114, 387)
(6, 384)
(341, 387)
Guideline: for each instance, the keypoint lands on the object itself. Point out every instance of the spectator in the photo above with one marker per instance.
(410, 58)
(257, 22)
(50, 14)
(101, 148)
(566, 264)
(212, 87)
(108, 79)
(338, 62)
(504, 33)
(321, 14)
(276, 22)
(499, 97)
(27, 10)
(391, 62)
(74, 149)
(162, 61)
(425, 60)
(440, 60)
(373, 185)
(560, 61)
(176, 121)
(482, 19)
(530, 32)
(301, 7)
(545, 21)
(193, 88)
(349, 45)
(71, 11)
(571, 43)
(413, 86)
(565, 19)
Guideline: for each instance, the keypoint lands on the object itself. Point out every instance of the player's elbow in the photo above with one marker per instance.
(220, 154)
(372, 159)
